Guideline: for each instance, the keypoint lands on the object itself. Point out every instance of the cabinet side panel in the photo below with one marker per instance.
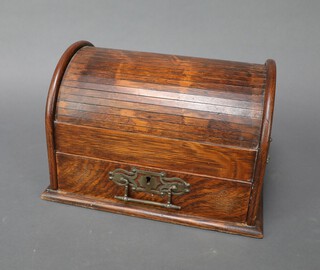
(51, 106)
(264, 143)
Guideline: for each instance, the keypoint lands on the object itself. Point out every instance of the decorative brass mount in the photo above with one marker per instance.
(149, 182)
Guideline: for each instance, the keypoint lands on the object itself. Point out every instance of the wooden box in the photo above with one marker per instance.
(171, 138)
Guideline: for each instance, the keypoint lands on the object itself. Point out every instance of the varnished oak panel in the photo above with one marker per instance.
(109, 99)
(228, 94)
(53, 92)
(208, 197)
(160, 129)
(179, 68)
(255, 231)
(256, 194)
(206, 159)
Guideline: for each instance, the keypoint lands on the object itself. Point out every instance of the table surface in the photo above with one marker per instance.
(36, 234)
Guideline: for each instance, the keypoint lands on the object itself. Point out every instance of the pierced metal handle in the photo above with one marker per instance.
(149, 182)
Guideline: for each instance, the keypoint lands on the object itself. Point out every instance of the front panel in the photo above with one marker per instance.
(168, 154)
(209, 198)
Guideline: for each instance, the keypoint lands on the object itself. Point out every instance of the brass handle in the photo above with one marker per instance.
(149, 182)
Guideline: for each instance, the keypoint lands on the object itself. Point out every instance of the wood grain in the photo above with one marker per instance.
(212, 160)
(197, 69)
(111, 98)
(265, 139)
(206, 121)
(255, 231)
(209, 197)
(229, 93)
(51, 106)
(162, 129)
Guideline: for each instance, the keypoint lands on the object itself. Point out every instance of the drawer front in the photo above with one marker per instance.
(150, 151)
(209, 198)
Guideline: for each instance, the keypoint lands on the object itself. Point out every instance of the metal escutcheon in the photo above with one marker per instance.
(149, 182)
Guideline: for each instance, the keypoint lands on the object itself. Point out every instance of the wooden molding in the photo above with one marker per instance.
(51, 106)
(264, 142)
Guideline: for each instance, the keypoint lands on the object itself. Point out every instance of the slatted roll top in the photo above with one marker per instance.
(182, 98)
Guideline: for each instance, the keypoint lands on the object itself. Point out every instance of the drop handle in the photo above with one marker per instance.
(151, 183)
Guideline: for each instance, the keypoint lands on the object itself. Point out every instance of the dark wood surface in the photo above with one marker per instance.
(207, 121)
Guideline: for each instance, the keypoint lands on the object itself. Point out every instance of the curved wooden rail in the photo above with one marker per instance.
(51, 106)
(269, 98)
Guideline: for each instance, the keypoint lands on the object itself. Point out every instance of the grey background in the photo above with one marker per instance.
(36, 234)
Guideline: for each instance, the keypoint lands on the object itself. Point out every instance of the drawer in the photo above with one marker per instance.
(209, 198)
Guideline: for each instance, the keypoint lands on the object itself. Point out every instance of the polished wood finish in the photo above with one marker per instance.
(264, 142)
(51, 106)
(206, 121)
(168, 154)
(209, 197)
(187, 91)
(136, 210)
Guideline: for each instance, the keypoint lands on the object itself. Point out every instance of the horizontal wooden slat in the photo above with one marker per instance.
(168, 72)
(181, 68)
(227, 92)
(165, 130)
(206, 95)
(104, 90)
(103, 79)
(165, 69)
(238, 134)
(156, 104)
(220, 131)
(208, 197)
(193, 157)
(215, 121)
(234, 77)
(165, 79)
(166, 59)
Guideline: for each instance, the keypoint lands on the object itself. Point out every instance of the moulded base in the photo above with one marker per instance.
(137, 211)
